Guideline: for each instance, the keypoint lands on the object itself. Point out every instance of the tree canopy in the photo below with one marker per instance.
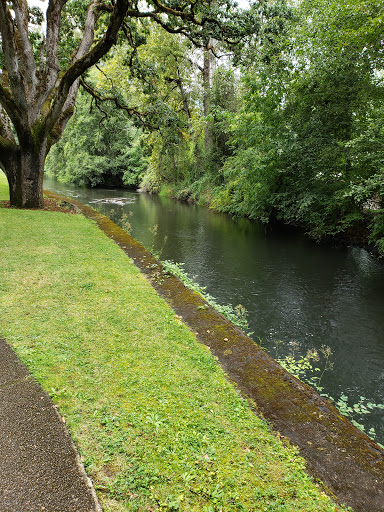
(42, 61)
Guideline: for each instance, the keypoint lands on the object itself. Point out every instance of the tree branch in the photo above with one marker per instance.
(65, 116)
(175, 12)
(25, 53)
(155, 17)
(89, 31)
(8, 41)
(87, 60)
(132, 111)
(52, 43)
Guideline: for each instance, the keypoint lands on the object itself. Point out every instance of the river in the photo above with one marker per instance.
(299, 295)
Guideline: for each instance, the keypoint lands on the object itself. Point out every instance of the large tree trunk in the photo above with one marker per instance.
(25, 172)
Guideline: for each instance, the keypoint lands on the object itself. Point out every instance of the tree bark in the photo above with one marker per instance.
(25, 171)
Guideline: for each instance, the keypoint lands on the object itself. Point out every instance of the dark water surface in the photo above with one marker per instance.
(295, 291)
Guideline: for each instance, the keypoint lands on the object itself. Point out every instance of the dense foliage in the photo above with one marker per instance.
(288, 128)
(308, 144)
(44, 59)
(98, 148)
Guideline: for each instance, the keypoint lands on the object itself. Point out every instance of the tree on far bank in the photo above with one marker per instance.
(308, 145)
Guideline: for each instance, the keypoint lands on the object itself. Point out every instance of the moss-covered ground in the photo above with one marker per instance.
(156, 422)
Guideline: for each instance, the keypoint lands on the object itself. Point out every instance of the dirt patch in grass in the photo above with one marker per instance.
(50, 205)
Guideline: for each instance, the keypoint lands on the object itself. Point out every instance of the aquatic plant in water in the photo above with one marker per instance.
(303, 368)
(237, 315)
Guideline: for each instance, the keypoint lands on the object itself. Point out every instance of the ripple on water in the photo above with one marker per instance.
(121, 201)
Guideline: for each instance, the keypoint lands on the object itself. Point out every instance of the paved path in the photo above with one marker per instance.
(39, 467)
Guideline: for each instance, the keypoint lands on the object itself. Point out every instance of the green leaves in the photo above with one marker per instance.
(98, 148)
(308, 139)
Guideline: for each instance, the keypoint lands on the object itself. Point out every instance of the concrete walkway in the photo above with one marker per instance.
(39, 466)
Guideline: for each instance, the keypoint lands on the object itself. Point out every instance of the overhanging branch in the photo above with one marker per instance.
(132, 111)
(86, 61)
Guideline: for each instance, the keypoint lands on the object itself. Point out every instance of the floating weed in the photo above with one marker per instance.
(302, 367)
(125, 221)
(357, 410)
(151, 247)
(237, 315)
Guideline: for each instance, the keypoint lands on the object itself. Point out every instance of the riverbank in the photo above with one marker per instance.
(348, 462)
(357, 234)
(157, 424)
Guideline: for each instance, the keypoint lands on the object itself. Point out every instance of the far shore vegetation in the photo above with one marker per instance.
(288, 126)
(157, 424)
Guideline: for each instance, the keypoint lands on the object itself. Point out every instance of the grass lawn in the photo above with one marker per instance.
(155, 420)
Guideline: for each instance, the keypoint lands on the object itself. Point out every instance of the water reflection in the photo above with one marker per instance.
(293, 289)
